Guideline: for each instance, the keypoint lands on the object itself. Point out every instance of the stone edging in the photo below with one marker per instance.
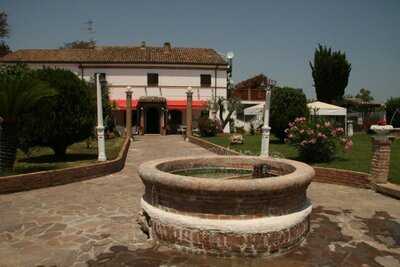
(29, 181)
(322, 175)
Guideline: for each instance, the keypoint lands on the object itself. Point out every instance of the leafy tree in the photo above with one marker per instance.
(393, 111)
(20, 91)
(330, 72)
(4, 28)
(109, 123)
(4, 31)
(4, 49)
(365, 95)
(80, 44)
(64, 119)
(287, 104)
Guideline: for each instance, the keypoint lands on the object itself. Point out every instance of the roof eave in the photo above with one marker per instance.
(110, 62)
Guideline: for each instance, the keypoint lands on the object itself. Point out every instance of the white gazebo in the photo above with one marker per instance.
(319, 108)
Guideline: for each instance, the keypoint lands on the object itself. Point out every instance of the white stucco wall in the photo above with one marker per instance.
(173, 81)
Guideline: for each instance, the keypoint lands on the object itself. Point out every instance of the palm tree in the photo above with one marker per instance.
(19, 92)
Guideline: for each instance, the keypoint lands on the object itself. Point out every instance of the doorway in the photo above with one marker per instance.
(174, 121)
(152, 121)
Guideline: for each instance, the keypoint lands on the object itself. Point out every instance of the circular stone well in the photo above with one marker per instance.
(237, 213)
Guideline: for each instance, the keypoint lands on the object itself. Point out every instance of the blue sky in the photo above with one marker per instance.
(277, 38)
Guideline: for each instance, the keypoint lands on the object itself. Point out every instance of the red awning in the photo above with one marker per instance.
(171, 104)
(121, 103)
(181, 104)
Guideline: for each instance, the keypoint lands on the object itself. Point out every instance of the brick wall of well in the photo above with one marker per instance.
(228, 244)
(227, 205)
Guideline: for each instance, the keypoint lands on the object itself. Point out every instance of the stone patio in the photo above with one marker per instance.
(94, 223)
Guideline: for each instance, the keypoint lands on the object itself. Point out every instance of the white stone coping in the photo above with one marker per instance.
(302, 174)
(382, 129)
(256, 225)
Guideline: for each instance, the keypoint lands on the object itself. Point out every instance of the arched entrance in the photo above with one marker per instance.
(152, 115)
(152, 120)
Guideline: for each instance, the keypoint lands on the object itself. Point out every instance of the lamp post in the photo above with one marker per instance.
(265, 128)
(230, 55)
(129, 112)
(100, 125)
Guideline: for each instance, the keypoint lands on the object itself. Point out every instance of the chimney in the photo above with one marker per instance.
(143, 45)
(167, 46)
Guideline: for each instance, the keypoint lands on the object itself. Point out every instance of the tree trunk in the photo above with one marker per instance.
(8, 146)
(225, 122)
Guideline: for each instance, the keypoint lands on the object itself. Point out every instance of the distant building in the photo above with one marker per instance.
(159, 78)
(252, 97)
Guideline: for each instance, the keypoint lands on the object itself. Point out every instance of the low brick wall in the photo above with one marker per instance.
(342, 177)
(219, 150)
(322, 175)
(29, 181)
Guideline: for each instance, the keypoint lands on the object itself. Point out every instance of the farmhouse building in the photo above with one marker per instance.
(159, 78)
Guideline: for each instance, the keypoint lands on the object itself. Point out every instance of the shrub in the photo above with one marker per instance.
(317, 140)
(392, 105)
(208, 127)
(286, 105)
(20, 91)
(61, 120)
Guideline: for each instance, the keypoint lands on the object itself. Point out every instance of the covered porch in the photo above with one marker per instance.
(157, 115)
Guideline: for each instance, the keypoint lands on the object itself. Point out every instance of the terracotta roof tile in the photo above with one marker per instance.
(125, 55)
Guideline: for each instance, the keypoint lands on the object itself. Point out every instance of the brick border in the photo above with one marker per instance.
(342, 177)
(217, 149)
(29, 181)
(322, 174)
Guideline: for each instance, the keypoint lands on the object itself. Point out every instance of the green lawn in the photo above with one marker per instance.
(42, 158)
(358, 159)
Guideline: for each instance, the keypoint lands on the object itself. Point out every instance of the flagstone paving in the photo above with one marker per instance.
(94, 223)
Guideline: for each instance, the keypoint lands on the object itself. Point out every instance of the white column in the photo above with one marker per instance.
(100, 125)
(265, 128)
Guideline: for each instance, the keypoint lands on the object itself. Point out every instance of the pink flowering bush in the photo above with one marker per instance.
(316, 141)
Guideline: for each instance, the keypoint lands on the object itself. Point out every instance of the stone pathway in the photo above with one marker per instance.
(94, 223)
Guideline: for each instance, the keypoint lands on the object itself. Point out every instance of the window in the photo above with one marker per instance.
(205, 80)
(152, 79)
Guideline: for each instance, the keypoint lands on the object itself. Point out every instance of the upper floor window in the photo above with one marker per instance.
(205, 80)
(152, 79)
